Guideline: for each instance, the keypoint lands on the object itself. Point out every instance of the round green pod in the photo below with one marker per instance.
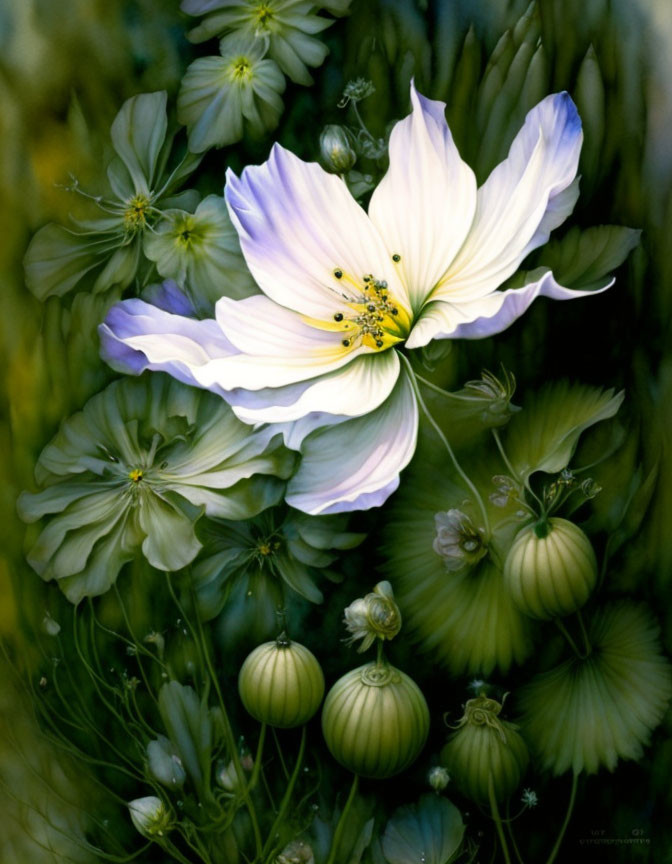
(281, 684)
(375, 720)
(485, 751)
(551, 569)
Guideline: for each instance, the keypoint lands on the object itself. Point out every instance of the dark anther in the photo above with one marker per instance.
(338, 316)
(379, 343)
(371, 307)
(338, 274)
(395, 311)
(396, 258)
(346, 343)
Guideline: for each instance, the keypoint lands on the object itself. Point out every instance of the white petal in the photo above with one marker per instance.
(136, 336)
(355, 465)
(297, 225)
(521, 201)
(478, 319)
(425, 204)
(358, 388)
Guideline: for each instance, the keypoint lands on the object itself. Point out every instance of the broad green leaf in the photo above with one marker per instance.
(188, 724)
(296, 576)
(138, 133)
(430, 831)
(57, 259)
(585, 259)
(544, 435)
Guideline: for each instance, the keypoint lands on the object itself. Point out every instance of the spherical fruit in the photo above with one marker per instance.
(550, 569)
(281, 683)
(485, 753)
(375, 720)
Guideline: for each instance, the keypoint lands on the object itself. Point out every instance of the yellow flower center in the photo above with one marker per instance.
(136, 475)
(241, 69)
(263, 14)
(135, 215)
(370, 315)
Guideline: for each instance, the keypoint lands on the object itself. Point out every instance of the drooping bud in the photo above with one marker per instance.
(356, 90)
(165, 763)
(438, 778)
(496, 395)
(457, 540)
(150, 816)
(485, 755)
(375, 616)
(338, 154)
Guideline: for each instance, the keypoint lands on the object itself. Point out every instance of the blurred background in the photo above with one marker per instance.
(65, 68)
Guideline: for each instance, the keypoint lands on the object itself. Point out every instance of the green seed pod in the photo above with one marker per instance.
(550, 574)
(375, 720)
(485, 752)
(281, 683)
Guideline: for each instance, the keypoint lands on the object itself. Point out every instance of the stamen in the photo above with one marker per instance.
(338, 273)
(396, 258)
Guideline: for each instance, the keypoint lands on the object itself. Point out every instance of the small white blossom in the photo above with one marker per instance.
(150, 816)
(529, 798)
(457, 540)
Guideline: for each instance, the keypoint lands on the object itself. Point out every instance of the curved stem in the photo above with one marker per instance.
(497, 819)
(570, 807)
(343, 819)
(257, 761)
(287, 797)
(509, 830)
(446, 444)
(458, 397)
(505, 459)
(584, 632)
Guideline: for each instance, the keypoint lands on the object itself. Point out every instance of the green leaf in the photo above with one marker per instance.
(58, 259)
(189, 726)
(544, 435)
(585, 259)
(138, 133)
(430, 831)
(297, 577)
(170, 543)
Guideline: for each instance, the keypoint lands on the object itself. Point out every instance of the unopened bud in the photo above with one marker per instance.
(438, 778)
(150, 816)
(375, 616)
(338, 154)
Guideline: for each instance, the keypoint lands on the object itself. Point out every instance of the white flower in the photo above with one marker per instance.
(529, 798)
(344, 290)
(457, 540)
(375, 616)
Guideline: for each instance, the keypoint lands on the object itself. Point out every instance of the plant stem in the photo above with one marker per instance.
(502, 452)
(343, 819)
(287, 797)
(584, 632)
(444, 441)
(572, 797)
(257, 761)
(509, 830)
(561, 627)
(380, 659)
(497, 819)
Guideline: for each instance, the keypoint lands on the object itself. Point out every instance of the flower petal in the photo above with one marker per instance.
(523, 199)
(136, 336)
(478, 319)
(425, 204)
(297, 225)
(356, 389)
(355, 465)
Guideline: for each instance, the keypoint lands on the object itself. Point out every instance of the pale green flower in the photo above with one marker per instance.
(202, 253)
(134, 471)
(108, 248)
(374, 616)
(288, 26)
(219, 95)
(150, 816)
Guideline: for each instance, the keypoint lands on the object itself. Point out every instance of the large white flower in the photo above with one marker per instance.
(343, 290)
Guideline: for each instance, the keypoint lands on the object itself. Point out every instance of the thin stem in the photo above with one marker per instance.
(257, 761)
(561, 627)
(459, 397)
(509, 830)
(343, 819)
(279, 749)
(502, 452)
(444, 441)
(570, 807)
(287, 797)
(497, 819)
(380, 659)
(584, 633)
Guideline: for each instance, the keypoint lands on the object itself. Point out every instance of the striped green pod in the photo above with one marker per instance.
(375, 720)
(551, 575)
(485, 753)
(281, 683)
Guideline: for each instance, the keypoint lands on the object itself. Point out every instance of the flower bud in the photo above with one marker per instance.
(375, 720)
(485, 753)
(438, 778)
(375, 616)
(150, 816)
(356, 90)
(551, 569)
(338, 155)
(165, 763)
(457, 540)
(281, 683)
(227, 777)
(296, 852)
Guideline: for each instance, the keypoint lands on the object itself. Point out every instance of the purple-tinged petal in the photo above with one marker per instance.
(298, 225)
(168, 296)
(523, 199)
(355, 465)
(425, 204)
(489, 315)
